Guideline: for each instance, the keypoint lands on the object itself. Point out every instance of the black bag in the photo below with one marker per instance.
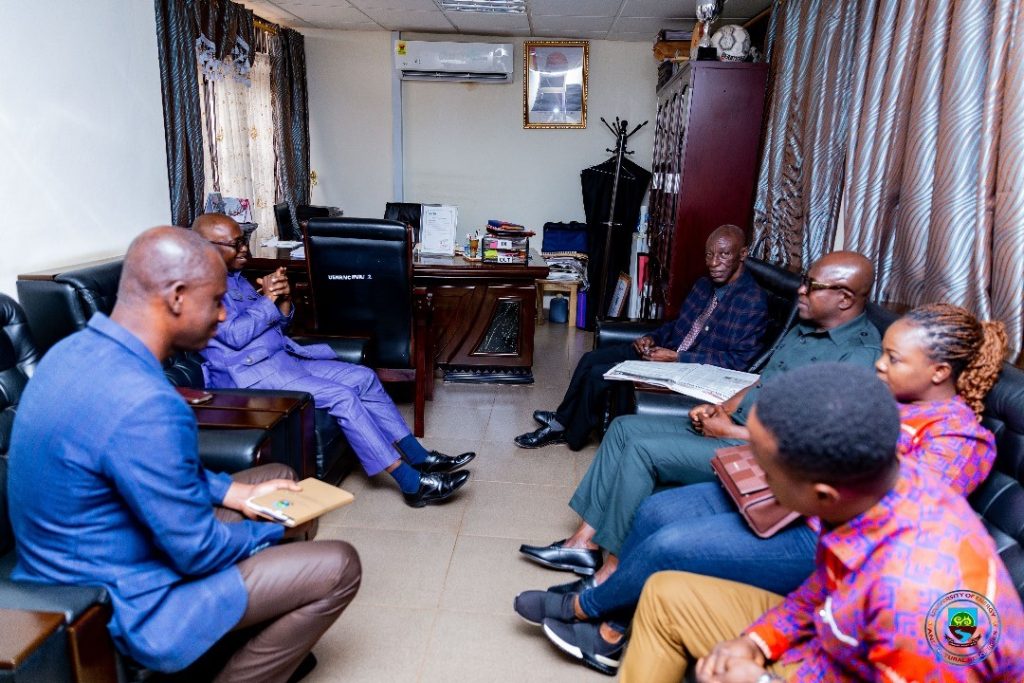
(572, 236)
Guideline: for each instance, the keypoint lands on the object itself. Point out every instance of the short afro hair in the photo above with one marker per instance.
(833, 422)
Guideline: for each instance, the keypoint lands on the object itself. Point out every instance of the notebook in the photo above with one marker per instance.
(292, 508)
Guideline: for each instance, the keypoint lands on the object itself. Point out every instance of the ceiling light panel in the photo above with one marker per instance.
(484, 6)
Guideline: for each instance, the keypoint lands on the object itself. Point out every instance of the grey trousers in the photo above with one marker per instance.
(296, 591)
(640, 454)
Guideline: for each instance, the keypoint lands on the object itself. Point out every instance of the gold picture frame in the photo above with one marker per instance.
(555, 83)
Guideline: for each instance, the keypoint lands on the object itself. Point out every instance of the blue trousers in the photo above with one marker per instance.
(352, 394)
(697, 529)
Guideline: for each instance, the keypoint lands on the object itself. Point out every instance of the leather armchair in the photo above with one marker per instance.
(286, 229)
(405, 212)
(360, 277)
(63, 304)
(81, 642)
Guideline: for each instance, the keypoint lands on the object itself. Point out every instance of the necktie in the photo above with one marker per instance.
(698, 325)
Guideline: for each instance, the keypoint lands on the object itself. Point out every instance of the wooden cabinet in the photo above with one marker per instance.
(706, 145)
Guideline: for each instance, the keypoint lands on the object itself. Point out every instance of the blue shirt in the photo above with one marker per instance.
(732, 336)
(105, 488)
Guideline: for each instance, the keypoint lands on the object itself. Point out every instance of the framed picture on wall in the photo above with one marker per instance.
(555, 83)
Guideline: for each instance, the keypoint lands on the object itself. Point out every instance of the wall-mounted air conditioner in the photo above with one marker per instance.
(419, 60)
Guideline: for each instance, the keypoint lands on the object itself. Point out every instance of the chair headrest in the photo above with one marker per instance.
(357, 228)
(96, 286)
(773, 278)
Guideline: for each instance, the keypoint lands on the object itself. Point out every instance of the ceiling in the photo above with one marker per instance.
(635, 20)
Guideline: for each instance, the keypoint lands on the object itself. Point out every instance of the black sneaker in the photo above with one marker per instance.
(582, 640)
(536, 606)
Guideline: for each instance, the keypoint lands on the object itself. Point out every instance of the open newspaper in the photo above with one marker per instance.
(706, 382)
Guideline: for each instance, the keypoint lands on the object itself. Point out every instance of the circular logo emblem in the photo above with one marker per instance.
(963, 627)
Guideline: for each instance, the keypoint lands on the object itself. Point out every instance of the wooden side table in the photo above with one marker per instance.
(569, 287)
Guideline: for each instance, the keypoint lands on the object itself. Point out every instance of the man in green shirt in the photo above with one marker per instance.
(640, 453)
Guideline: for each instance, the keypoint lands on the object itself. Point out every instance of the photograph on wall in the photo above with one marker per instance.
(555, 84)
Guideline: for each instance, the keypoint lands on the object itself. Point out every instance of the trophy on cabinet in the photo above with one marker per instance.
(707, 12)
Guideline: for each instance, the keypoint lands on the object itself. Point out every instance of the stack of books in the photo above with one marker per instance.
(506, 243)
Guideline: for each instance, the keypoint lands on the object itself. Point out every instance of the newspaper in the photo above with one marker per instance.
(706, 382)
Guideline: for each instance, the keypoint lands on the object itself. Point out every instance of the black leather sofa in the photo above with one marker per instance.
(999, 500)
(85, 608)
(63, 303)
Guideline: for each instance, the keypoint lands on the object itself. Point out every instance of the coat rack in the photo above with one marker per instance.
(619, 130)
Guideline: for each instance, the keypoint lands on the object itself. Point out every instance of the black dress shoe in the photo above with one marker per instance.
(545, 436)
(439, 462)
(436, 487)
(580, 560)
(544, 417)
(577, 586)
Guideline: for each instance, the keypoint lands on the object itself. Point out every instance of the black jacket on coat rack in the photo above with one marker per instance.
(597, 184)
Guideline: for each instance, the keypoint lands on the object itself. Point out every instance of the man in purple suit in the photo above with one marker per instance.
(250, 350)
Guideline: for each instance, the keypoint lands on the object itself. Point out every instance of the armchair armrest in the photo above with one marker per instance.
(658, 402)
(33, 646)
(610, 332)
(349, 349)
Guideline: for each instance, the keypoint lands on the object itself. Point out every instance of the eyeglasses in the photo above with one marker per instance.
(812, 285)
(237, 244)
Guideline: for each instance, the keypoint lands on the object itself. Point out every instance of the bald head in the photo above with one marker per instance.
(731, 232)
(161, 256)
(836, 289)
(172, 285)
(224, 232)
(724, 252)
(850, 269)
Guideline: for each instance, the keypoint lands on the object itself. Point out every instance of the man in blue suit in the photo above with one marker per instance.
(106, 488)
(251, 350)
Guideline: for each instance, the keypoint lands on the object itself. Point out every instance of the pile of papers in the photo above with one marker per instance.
(566, 266)
(706, 382)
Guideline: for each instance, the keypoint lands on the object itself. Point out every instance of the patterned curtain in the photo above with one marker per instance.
(291, 121)
(214, 35)
(176, 36)
(935, 170)
(239, 141)
(912, 114)
(812, 47)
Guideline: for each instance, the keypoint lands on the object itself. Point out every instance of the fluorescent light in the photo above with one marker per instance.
(486, 6)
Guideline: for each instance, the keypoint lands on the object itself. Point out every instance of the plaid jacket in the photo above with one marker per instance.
(732, 337)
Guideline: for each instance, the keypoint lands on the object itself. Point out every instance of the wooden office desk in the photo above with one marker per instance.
(483, 313)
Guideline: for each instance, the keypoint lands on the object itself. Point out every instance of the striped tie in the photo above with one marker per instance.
(698, 324)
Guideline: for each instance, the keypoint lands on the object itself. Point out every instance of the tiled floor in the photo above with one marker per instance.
(438, 583)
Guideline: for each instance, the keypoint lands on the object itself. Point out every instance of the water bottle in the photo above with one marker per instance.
(559, 310)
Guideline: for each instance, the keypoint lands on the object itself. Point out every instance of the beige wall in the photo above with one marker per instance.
(464, 144)
(81, 127)
(348, 74)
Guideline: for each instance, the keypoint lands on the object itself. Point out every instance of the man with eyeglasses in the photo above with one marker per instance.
(251, 350)
(641, 453)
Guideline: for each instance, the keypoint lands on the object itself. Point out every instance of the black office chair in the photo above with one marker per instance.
(286, 229)
(405, 212)
(360, 277)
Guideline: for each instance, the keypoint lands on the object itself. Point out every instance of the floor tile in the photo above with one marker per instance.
(505, 462)
(371, 644)
(539, 513)
(379, 505)
(400, 568)
(496, 648)
(474, 585)
(452, 421)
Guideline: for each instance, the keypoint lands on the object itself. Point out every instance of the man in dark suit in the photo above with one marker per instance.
(106, 488)
(721, 323)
